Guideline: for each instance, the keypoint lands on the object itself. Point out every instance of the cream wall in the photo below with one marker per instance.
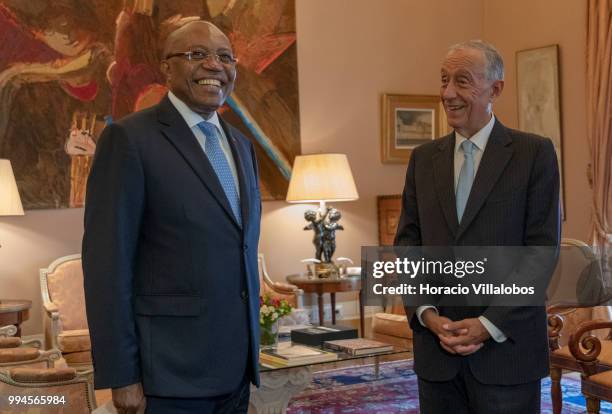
(526, 24)
(349, 53)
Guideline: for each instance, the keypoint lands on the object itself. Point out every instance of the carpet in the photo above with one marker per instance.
(356, 390)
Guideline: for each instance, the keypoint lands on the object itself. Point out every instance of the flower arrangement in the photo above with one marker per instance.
(270, 311)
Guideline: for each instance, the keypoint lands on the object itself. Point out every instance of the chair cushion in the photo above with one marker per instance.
(81, 357)
(605, 357)
(18, 354)
(10, 342)
(66, 292)
(603, 378)
(391, 324)
(74, 341)
(33, 375)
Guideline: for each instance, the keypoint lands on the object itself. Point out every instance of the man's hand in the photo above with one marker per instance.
(470, 340)
(436, 323)
(129, 399)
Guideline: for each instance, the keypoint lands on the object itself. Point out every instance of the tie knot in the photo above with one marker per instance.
(209, 129)
(468, 147)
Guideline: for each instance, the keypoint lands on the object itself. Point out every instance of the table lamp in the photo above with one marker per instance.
(10, 202)
(322, 178)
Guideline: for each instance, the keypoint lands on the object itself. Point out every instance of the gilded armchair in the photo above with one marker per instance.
(69, 392)
(278, 290)
(64, 310)
(17, 353)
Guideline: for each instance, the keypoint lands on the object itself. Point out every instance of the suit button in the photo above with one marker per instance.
(244, 295)
(246, 247)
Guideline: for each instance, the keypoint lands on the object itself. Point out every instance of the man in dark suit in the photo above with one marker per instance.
(482, 185)
(170, 244)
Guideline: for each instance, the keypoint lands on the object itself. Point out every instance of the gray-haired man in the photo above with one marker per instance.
(482, 185)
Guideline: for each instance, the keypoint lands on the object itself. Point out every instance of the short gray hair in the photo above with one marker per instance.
(494, 62)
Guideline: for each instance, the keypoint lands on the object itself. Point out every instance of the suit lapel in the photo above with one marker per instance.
(494, 160)
(178, 133)
(443, 171)
(245, 194)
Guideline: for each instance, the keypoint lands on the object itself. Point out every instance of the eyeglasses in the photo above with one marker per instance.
(200, 55)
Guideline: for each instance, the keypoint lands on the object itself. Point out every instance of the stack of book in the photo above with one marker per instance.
(286, 354)
(359, 346)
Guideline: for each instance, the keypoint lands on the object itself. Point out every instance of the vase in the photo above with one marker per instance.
(268, 335)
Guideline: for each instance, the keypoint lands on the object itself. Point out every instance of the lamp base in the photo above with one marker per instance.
(326, 270)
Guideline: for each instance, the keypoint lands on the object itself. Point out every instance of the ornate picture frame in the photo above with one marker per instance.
(407, 122)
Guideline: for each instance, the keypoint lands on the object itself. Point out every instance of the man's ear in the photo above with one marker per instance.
(496, 90)
(165, 69)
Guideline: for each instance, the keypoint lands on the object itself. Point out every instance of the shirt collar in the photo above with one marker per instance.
(192, 118)
(480, 138)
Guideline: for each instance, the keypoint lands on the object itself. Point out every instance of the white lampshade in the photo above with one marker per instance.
(10, 203)
(321, 177)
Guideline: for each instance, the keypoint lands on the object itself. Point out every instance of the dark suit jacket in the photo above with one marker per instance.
(514, 201)
(171, 280)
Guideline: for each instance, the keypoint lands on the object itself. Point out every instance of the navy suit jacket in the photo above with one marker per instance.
(514, 201)
(171, 280)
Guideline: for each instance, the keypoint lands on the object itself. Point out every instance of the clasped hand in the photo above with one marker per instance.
(462, 337)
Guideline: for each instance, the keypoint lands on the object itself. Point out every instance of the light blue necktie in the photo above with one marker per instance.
(219, 161)
(466, 178)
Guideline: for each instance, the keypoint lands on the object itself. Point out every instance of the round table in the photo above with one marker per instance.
(310, 284)
(14, 312)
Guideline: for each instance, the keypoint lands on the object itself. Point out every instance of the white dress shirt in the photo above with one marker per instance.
(193, 119)
(479, 139)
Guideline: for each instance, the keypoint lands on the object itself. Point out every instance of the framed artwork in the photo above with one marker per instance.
(389, 210)
(70, 68)
(537, 72)
(409, 121)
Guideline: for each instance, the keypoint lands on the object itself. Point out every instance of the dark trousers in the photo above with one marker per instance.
(465, 395)
(236, 402)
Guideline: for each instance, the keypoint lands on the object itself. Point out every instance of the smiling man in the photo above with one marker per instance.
(170, 246)
(482, 185)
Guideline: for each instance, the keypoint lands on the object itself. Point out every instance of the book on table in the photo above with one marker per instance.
(316, 335)
(288, 354)
(359, 346)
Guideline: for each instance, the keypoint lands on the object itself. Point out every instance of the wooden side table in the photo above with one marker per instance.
(14, 312)
(321, 286)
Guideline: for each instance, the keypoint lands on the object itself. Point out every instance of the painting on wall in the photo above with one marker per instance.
(537, 72)
(409, 121)
(389, 211)
(69, 67)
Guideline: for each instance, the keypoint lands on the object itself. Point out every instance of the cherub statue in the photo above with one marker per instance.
(316, 224)
(329, 233)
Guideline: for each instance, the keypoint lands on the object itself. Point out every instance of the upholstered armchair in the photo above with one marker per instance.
(75, 390)
(590, 351)
(278, 290)
(392, 325)
(563, 321)
(17, 353)
(64, 306)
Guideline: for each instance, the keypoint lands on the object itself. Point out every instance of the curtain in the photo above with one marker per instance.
(599, 132)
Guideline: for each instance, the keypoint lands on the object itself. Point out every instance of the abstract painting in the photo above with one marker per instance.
(69, 67)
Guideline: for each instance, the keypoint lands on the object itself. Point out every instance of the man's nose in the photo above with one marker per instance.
(211, 62)
(449, 91)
